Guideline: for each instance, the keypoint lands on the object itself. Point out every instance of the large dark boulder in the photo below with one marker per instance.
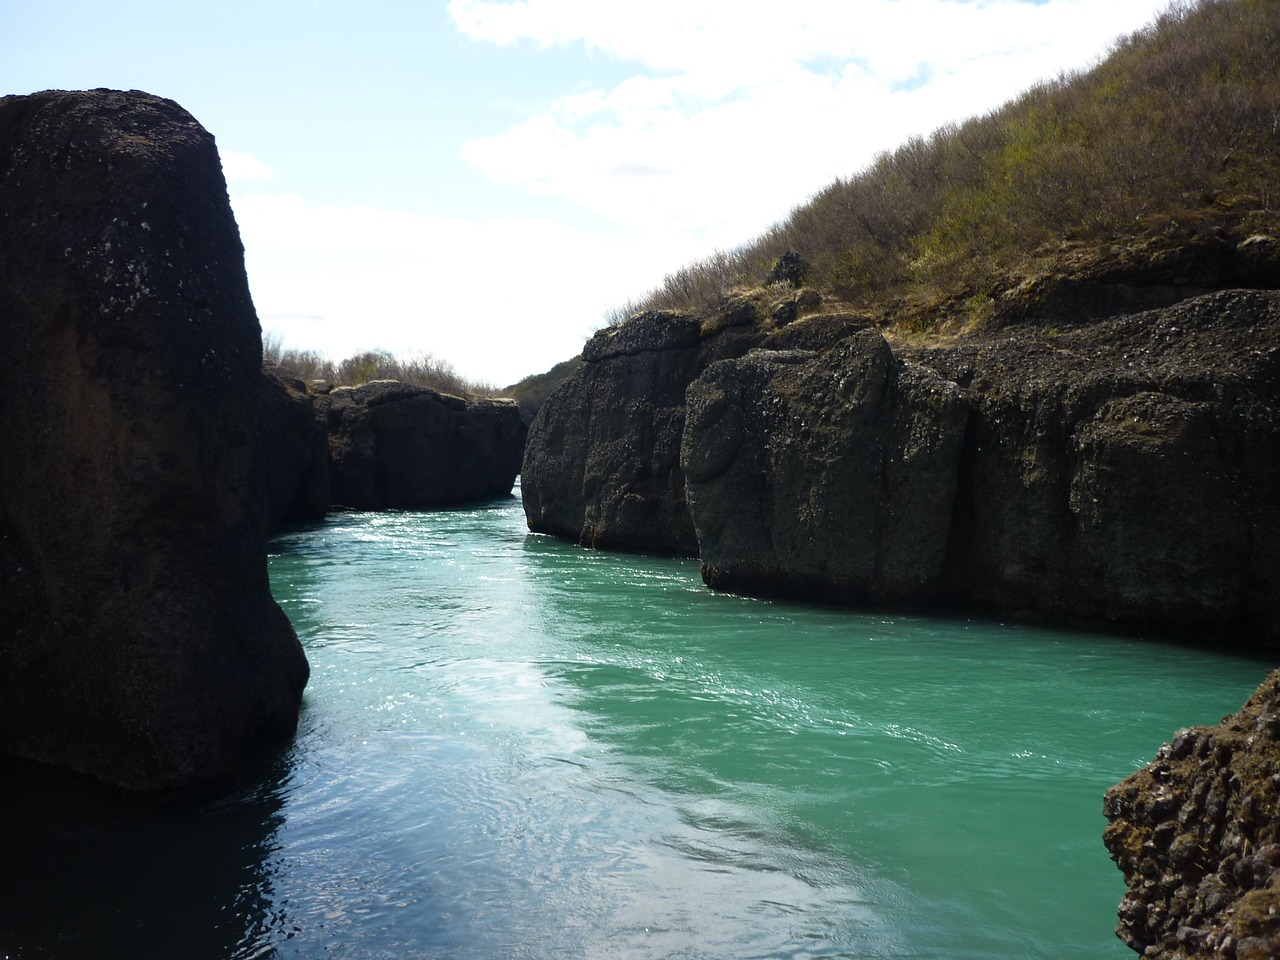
(393, 445)
(139, 643)
(1197, 835)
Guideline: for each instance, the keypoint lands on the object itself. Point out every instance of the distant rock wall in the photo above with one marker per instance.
(1123, 473)
(382, 445)
(1197, 836)
(139, 643)
(397, 446)
(293, 444)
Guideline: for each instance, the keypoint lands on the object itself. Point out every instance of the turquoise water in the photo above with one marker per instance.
(513, 747)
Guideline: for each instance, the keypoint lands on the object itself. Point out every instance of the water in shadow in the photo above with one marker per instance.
(93, 875)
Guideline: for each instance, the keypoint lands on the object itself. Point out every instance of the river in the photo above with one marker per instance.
(512, 747)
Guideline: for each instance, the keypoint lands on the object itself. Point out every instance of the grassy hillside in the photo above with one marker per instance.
(1176, 135)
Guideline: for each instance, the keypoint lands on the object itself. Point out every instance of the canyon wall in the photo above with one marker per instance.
(1120, 472)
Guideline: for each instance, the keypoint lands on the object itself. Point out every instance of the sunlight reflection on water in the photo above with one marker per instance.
(513, 747)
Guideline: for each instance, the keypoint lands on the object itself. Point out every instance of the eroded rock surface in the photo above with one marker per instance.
(139, 643)
(829, 474)
(602, 464)
(1121, 472)
(394, 445)
(1125, 473)
(1197, 835)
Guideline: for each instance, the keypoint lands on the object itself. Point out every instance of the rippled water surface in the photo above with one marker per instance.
(512, 747)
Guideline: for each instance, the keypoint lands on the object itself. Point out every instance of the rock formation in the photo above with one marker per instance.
(1197, 835)
(382, 445)
(1122, 472)
(293, 442)
(394, 445)
(1126, 473)
(139, 643)
(602, 461)
(826, 474)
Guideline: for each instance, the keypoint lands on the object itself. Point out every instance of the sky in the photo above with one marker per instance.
(483, 180)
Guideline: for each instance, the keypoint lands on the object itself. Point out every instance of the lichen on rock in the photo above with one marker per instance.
(1197, 835)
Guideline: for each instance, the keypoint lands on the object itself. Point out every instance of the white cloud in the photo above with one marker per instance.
(734, 114)
(244, 166)
(742, 110)
(741, 39)
(498, 300)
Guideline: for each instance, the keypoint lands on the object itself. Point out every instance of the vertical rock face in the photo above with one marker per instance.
(602, 467)
(1197, 835)
(293, 442)
(1124, 473)
(829, 475)
(139, 642)
(397, 446)
(602, 464)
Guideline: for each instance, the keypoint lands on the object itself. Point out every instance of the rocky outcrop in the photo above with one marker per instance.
(790, 269)
(1197, 836)
(293, 442)
(1122, 473)
(1126, 473)
(602, 463)
(139, 643)
(397, 446)
(830, 474)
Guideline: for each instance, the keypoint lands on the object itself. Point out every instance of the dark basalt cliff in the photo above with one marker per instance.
(1197, 835)
(825, 474)
(395, 445)
(139, 643)
(602, 462)
(383, 445)
(293, 443)
(1126, 473)
(1119, 472)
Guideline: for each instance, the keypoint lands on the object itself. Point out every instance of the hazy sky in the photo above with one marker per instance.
(483, 179)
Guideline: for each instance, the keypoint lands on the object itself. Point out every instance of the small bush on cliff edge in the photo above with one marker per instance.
(1181, 123)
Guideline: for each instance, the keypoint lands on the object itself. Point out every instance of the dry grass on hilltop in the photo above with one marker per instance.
(1177, 130)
